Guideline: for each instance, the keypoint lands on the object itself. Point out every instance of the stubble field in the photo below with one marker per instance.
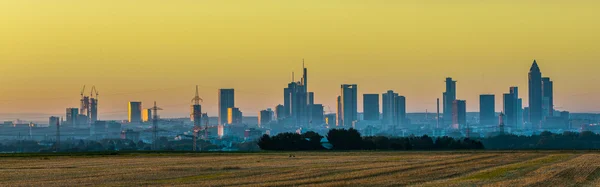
(546, 168)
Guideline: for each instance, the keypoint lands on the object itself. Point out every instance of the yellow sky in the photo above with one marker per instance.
(158, 50)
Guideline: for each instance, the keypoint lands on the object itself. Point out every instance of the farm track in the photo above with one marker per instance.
(520, 168)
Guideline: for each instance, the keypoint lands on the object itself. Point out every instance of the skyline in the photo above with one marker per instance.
(156, 52)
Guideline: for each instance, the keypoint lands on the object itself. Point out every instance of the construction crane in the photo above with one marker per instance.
(155, 110)
(94, 91)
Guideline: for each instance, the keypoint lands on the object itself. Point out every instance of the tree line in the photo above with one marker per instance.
(351, 139)
(545, 140)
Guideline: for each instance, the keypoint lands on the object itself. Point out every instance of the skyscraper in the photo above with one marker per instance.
(71, 116)
(234, 116)
(547, 97)
(517, 108)
(135, 112)
(448, 98)
(510, 117)
(459, 114)
(371, 107)
(338, 112)
(226, 101)
(280, 112)
(388, 108)
(349, 104)
(146, 115)
(400, 112)
(487, 109)
(265, 117)
(317, 115)
(535, 95)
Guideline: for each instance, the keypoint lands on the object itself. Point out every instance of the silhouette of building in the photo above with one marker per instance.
(510, 117)
(371, 107)
(317, 115)
(338, 112)
(71, 116)
(349, 104)
(517, 108)
(459, 114)
(53, 121)
(535, 95)
(265, 117)
(547, 97)
(146, 115)
(135, 112)
(487, 109)
(388, 108)
(400, 112)
(226, 101)
(280, 112)
(448, 99)
(234, 116)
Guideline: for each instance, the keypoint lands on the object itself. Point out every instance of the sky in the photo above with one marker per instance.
(159, 50)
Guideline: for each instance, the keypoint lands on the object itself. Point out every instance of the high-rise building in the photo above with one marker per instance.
(388, 108)
(448, 99)
(226, 101)
(135, 112)
(520, 112)
(317, 115)
(311, 98)
(349, 104)
(93, 110)
(400, 111)
(547, 97)
(459, 114)
(487, 109)
(234, 116)
(338, 112)
(371, 107)
(517, 108)
(510, 118)
(330, 120)
(265, 117)
(280, 112)
(146, 115)
(53, 121)
(71, 116)
(287, 102)
(196, 114)
(535, 95)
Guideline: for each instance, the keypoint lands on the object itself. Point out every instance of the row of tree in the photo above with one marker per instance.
(350, 139)
(545, 140)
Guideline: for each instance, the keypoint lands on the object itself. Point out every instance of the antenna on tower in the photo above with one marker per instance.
(197, 98)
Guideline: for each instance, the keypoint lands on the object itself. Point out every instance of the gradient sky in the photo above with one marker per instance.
(158, 50)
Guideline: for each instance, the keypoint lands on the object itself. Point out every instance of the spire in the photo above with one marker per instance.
(534, 66)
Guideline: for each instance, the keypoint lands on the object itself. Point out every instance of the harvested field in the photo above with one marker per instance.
(484, 168)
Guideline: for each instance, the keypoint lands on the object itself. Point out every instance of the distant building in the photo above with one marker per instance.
(510, 118)
(371, 107)
(400, 112)
(234, 116)
(53, 121)
(547, 97)
(146, 115)
(226, 101)
(349, 103)
(535, 95)
(388, 107)
(317, 115)
(135, 112)
(448, 99)
(459, 114)
(280, 112)
(129, 134)
(265, 117)
(71, 116)
(196, 114)
(330, 120)
(487, 109)
(338, 117)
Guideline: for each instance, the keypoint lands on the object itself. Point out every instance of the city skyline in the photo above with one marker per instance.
(155, 52)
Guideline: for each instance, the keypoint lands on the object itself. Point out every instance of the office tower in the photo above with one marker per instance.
(388, 107)
(146, 115)
(311, 98)
(459, 114)
(234, 116)
(487, 109)
(400, 112)
(135, 112)
(535, 95)
(448, 98)
(547, 97)
(287, 102)
(300, 106)
(53, 121)
(265, 117)
(338, 112)
(437, 118)
(517, 108)
(349, 104)
(280, 112)
(371, 107)
(196, 110)
(71, 116)
(510, 117)
(226, 101)
(93, 110)
(330, 120)
(317, 113)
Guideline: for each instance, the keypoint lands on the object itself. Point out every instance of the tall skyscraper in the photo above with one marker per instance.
(349, 104)
(535, 95)
(517, 108)
(234, 116)
(371, 107)
(265, 117)
(510, 118)
(135, 112)
(226, 101)
(400, 112)
(448, 98)
(71, 116)
(297, 99)
(93, 110)
(317, 115)
(146, 115)
(280, 112)
(547, 97)
(459, 114)
(388, 108)
(338, 112)
(487, 109)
